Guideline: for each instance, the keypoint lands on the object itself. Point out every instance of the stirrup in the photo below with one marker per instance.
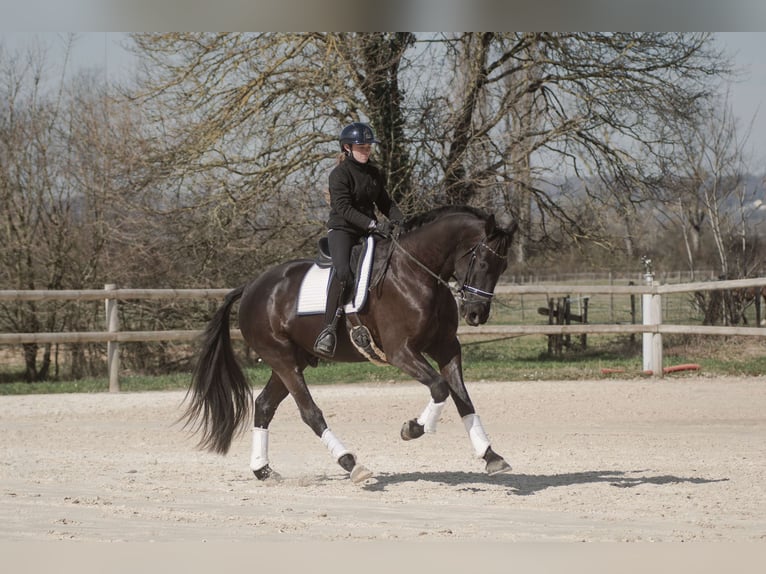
(325, 343)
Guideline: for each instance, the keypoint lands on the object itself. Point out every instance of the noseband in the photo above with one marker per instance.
(467, 290)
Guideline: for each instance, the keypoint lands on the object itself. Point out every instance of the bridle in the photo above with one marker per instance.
(466, 290)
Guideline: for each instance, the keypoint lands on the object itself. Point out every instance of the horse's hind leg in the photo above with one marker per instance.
(265, 406)
(311, 414)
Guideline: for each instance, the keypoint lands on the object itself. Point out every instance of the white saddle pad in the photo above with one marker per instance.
(312, 297)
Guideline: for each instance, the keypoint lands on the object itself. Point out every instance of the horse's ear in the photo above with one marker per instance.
(489, 227)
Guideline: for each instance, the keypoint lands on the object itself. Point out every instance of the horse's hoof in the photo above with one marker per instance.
(412, 429)
(495, 463)
(267, 473)
(360, 473)
(498, 467)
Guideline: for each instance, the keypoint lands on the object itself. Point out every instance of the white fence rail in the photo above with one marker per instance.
(652, 327)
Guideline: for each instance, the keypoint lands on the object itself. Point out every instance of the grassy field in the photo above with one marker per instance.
(509, 359)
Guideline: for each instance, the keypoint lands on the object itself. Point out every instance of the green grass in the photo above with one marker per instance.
(507, 359)
(128, 383)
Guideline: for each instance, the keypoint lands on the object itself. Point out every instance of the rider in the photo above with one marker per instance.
(357, 186)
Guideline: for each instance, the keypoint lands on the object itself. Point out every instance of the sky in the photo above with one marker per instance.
(104, 52)
(748, 96)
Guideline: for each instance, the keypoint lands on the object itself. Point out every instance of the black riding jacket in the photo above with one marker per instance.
(355, 189)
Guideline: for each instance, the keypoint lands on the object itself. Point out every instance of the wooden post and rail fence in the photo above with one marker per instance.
(651, 294)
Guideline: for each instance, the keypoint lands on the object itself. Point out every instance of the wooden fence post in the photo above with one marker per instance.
(657, 359)
(651, 311)
(632, 313)
(112, 347)
(584, 320)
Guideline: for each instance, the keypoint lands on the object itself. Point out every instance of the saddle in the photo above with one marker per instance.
(323, 258)
(312, 297)
(313, 292)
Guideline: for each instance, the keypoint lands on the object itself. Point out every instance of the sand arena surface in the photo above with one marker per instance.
(681, 459)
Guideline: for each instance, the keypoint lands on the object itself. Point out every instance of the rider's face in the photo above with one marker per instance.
(361, 152)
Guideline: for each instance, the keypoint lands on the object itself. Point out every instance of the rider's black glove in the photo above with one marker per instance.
(383, 228)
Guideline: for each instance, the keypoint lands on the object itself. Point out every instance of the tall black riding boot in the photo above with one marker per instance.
(326, 341)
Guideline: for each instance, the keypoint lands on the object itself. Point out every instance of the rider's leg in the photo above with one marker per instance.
(340, 249)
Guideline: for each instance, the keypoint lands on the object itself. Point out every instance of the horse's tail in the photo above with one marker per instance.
(220, 393)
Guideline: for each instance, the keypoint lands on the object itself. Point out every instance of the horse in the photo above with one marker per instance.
(411, 312)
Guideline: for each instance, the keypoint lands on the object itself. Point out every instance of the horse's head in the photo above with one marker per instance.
(480, 269)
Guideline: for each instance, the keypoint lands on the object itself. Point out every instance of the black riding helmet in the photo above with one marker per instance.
(357, 133)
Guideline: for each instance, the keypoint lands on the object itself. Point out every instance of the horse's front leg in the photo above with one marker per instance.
(415, 364)
(449, 358)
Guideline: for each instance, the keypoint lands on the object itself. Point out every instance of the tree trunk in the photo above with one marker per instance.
(30, 362)
(458, 188)
(382, 53)
(524, 121)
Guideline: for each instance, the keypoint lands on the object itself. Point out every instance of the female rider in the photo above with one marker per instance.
(357, 186)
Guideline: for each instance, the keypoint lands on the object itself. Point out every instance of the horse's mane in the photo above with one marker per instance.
(420, 219)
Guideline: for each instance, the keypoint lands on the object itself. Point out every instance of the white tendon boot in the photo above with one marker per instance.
(430, 416)
(334, 445)
(259, 455)
(359, 473)
(479, 439)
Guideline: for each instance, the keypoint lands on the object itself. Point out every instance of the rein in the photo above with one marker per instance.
(398, 245)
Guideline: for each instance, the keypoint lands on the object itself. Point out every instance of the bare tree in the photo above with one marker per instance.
(39, 207)
(373, 63)
(466, 118)
(585, 105)
(57, 192)
(685, 208)
(708, 187)
(244, 140)
(708, 193)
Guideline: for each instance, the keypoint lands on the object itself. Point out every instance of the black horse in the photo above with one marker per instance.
(410, 312)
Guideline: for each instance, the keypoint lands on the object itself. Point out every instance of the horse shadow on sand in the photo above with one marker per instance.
(529, 484)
